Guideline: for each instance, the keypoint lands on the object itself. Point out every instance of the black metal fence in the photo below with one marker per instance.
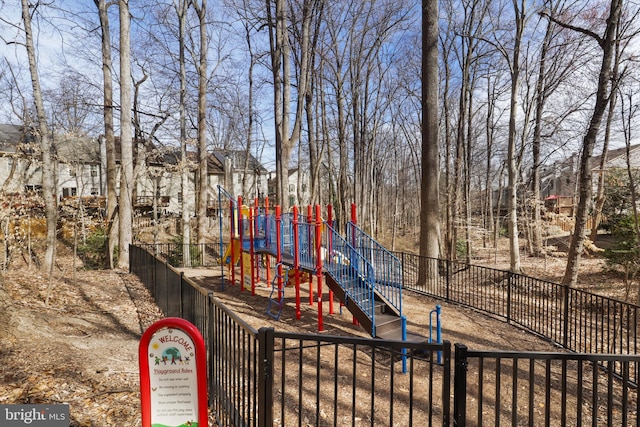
(199, 255)
(577, 320)
(543, 389)
(266, 378)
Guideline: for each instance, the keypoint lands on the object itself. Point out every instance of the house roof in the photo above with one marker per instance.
(613, 156)
(74, 149)
(237, 158)
(12, 135)
(86, 150)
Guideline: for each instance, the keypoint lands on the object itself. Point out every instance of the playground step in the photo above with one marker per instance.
(388, 324)
(396, 335)
(379, 307)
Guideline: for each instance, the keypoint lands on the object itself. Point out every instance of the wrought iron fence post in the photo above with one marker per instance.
(265, 377)
(509, 293)
(181, 293)
(210, 320)
(446, 384)
(166, 288)
(460, 385)
(404, 281)
(565, 320)
(448, 282)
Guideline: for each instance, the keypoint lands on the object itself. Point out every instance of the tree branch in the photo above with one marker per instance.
(589, 33)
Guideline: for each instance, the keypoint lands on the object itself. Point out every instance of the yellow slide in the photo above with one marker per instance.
(236, 252)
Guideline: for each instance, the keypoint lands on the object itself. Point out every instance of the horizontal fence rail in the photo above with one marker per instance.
(200, 255)
(550, 389)
(577, 320)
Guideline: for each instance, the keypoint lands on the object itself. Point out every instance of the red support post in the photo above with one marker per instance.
(232, 228)
(279, 251)
(296, 259)
(252, 252)
(330, 251)
(240, 238)
(266, 257)
(319, 266)
(256, 260)
(310, 221)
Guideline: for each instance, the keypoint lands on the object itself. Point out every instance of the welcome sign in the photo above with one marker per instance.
(173, 385)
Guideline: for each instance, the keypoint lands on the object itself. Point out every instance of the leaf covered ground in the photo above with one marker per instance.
(81, 348)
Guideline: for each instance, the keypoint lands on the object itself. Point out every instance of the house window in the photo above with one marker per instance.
(94, 191)
(292, 188)
(304, 187)
(69, 192)
(36, 188)
(72, 171)
(94, 170)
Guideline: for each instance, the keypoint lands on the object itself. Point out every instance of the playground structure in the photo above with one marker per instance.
(364, 276)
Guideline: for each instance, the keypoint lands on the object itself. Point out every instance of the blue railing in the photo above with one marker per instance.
(352, 271)
(387, 267)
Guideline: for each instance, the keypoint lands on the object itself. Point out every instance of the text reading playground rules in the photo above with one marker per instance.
(34, 415)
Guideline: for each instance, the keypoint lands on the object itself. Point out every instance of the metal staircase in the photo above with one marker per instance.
(358, 277)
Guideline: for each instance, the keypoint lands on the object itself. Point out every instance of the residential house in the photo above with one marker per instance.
(298, 186)
(238, 166)
(161, 178)
(616, 160)
(78, 169)
(559, 181)
(81, 171)
(560, 178)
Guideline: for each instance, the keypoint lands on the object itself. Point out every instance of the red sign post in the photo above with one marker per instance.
(173, 375)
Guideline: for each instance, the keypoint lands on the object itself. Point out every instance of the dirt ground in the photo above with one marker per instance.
(81, 348)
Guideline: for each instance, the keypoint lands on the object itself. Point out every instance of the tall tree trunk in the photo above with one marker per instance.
(536, 232)
(512, 172)
(125, 209)
(109, 137)
(203, 175)
(48, 179)
(275, 23)
(607, 43)
(429, 196)
(600, 196)
(181, 9)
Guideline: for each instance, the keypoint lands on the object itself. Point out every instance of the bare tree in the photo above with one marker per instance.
(603, 92)
(429, 194)
(48, 182)
(201, 10)
(109, 136)
(125, 208)
(514, 67)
